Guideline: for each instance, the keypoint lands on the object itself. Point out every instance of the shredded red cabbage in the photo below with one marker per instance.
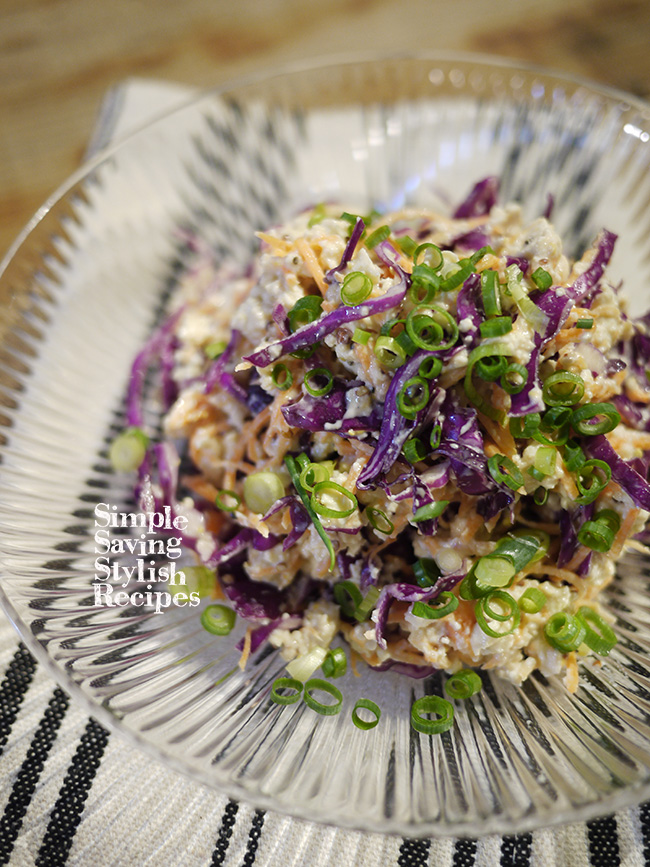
(634, 485)
(481, 200)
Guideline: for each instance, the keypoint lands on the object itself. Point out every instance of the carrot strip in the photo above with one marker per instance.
(313, 265)
(243, 659)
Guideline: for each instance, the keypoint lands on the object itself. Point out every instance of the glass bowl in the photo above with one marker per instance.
(81, 290)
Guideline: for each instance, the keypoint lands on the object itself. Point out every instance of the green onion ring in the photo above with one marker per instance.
(324, 686)
(564, 632)
(348, 597)
(582, 419)
(430, 511)
(332, 488)
(600, 637)
(532, 600)
(318, 372)
(218, 619)
(356, 288)
(430, 610)
(432, 704)
(589, 484)
(335, 663)
(463, 684)
(222, 497)
(281, 376)
(367, 704)
(484, 609)
(388, 352)
(430, 254)
(413, 397)
(505, 472)
(379, 521)
(286, 683)
(562, 388)
(514, 378)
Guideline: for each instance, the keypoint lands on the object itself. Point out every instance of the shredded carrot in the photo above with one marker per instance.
(624, 532)
(313, 265)
(571, 678)
(243, 659)
(279, 247)
(353, 662)
(554, 572)
(501, 436)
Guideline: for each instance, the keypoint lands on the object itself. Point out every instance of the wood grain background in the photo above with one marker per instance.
(58, 57)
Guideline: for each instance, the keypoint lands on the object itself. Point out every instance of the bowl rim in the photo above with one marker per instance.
(627, 797)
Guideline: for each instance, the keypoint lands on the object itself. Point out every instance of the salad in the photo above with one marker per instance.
(427, 434)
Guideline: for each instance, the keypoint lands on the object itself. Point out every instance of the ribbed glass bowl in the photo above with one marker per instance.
(82, 289)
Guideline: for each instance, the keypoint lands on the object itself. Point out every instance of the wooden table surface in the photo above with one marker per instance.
(58, 57)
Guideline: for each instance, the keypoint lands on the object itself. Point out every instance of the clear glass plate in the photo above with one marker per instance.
(82, 289)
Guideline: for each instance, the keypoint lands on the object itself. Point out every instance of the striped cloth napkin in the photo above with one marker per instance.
(73, 793)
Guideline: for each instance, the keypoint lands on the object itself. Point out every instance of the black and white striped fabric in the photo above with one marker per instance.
(71, 793)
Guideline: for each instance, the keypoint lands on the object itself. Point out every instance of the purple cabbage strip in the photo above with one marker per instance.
(395, 428)
(481, 200)
(314, 413)
(151, 350)
(462, 443)
(473, 240)
(570, 523)
(313, 332)
(300, 521)
(590, 278)
(255, 600)
(218, 366)
(422, 497)
(634, 485)
(469, 309)
(280, 319)
(348, 253)
(520, 261)
(408, 593)
(550, 204)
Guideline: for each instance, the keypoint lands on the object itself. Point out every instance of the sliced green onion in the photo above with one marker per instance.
(432, 328)
(414, 450)
(318, 214)
(302, 667)
(377, 236)
(426, 572)
(333, 492)
(218, 620)
(562, 388)
(496, 327)
(545, 460)
(367, 604)
(458, 277)
(389, 353)
(128, 450)
(499, 606)
(350, 218)
(540, 496)
(281, 376)
(564, 632)
(532, 600)
(292, 467)
(262, 490)
(491, 367)
(336, 663)
(215, 349)
(430, 255)
(306, 309)
(429, 704)
(463, 684)
(196, 579)
(444, 604)
(413, 397)
(425, 283)
(538, 538)
(600, 637)
(379, 521)
(356, 288)
(318, 373)
(436, 436)
(475, 257)
(542, 279)
(511, 555)
(556, 418)
(316, 683)
(348, 597)
(361, 336)
(529, 310)
(592, 478)
(525, 426)
(595, 418)
(514, 378)
(407, 245)
(584, 323)
(430, 511)
(282, 683)
(478, 353)
(536, 474)
(312, 474)
(430, 367)
(365, 704)
(226, 500)
(599, 533)
(490, 293)
(505, 472)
